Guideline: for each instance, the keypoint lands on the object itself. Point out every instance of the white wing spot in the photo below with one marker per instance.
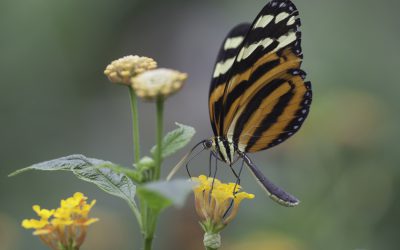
(285, 40)
(300, 119)
(233, 43)
(304, 111)
(246, 51)
(223, 67)
(263, 21)
(281, 16)
(295, 127)
(291, 21)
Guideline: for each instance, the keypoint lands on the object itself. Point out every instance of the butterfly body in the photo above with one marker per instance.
(225, 149)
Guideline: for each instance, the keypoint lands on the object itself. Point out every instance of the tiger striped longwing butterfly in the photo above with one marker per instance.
(258, 96)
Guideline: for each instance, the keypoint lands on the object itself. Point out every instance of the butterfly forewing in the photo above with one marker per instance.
(226, 58)
(263, 98)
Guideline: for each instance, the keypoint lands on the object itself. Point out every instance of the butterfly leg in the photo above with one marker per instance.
(210, 164)
(215, 172)
(237, 175)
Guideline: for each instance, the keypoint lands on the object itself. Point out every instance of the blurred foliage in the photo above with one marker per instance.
(343, 164)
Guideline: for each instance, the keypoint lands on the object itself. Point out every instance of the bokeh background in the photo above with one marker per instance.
(343, 164)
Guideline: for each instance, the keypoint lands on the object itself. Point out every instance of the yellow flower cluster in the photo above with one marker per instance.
(123, 69)
(217, 203)
(141, 75)
(158, 82)
(64, 226)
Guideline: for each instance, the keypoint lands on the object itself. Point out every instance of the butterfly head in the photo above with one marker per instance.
(209, 143)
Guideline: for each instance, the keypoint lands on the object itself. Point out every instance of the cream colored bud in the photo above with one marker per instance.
(122, 70)
(158, 82)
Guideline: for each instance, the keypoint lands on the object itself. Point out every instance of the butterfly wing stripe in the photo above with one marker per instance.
(215, 103)
(271, 129)
(254, 104)
(283, 119)
(298, 122)
(242, 86)
(225, 59)
(251, 119)
(269, 120)
(261, 75)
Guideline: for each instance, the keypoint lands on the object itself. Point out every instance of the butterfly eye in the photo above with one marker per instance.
(208, 144)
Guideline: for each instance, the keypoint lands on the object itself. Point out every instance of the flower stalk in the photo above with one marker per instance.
(135, 125)
(150, 213)
(159, 135)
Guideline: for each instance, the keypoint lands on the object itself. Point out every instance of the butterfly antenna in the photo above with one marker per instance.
(184, 159)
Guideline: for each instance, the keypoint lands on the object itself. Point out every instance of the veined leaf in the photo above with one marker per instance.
(117, 184)
(175, 140)
(63, 163)
(113, 182)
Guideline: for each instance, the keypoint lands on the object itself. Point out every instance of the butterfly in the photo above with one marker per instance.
(258, 95)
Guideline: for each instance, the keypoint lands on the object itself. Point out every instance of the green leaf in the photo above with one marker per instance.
(162, 194)
(89, 169)
(133, 174)
(63, 163)
(117, 184)
(175, 140)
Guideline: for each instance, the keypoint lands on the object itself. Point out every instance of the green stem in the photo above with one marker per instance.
(135, 125)
(159, 134)
(210, 248)
(137, 214)
(147, 243)
(149, 216)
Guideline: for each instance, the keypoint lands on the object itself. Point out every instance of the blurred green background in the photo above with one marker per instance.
(343, 164)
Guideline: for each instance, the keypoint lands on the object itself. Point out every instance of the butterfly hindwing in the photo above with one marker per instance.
(265, 99)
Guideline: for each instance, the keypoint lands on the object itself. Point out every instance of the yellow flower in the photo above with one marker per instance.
(43, 213)
(66, 225)
(217, 203)
(121, 70)
(35, 224)
(158, 83)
